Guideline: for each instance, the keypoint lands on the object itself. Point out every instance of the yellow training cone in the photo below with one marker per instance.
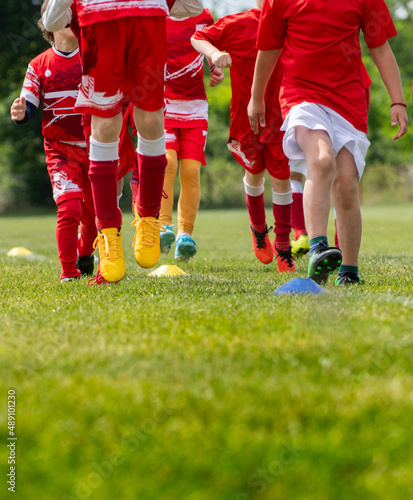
(166, 271)
(19, 252)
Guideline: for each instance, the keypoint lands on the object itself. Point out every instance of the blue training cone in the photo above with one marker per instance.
(300, 285)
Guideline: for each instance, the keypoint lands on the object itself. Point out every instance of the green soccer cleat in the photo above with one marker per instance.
(323, 262)
(349, 279)
(167, 238)
(300, 246)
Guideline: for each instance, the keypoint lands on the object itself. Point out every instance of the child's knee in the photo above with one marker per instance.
(70, 210)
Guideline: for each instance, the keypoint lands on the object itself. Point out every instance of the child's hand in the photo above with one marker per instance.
(217, 75)
(256, 114)
(398, 115)
(18, 109)
(221, 60)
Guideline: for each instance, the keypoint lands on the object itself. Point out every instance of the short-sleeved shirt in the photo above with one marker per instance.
(186, 100)
(237, 35)
(53, 79)
(94, 11)
(322, 58)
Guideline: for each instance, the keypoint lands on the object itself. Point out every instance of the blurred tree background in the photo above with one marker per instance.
(24, 182)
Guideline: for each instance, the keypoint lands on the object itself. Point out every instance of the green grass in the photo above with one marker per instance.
(209, 387)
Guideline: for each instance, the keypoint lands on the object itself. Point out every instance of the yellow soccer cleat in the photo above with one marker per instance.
(146, 243)
(300, 246)
(112, 264)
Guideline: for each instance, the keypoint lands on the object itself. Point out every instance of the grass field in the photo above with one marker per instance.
(209, 387)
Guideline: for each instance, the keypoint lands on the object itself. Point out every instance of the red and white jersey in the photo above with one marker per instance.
(186, 100)
(94, 11)
(53, 79)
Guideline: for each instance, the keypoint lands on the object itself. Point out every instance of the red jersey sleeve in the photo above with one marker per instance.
(377, 23)
(32, 86)
(271, 31)
(214, 34)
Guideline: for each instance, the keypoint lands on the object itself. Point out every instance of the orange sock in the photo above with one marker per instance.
(168, 187)
(188, 204)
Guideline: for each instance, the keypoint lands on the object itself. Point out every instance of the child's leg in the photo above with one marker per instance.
(190, 196)
(281, 206)
(254, 192)
(151, 161)
(318, 151)
(69, 213)
(321, 164)
(168, 186)
(347, 206)
(88, 231)
(151, 164)
(297, 209)
(103, 170)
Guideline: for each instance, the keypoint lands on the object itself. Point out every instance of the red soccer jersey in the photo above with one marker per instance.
(95, 11)
(237, 34)
(186, 100)
(322, 57)
(53, 79)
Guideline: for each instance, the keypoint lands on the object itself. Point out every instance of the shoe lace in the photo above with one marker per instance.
(148, 228)
(260, 237)
(166, 227)
(286, 256)
(110, 244)
(185, 239)
(100, 280)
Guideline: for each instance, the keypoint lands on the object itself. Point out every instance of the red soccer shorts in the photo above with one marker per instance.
(256, 156)
(122, 59)
(189, 143)
(68, 168)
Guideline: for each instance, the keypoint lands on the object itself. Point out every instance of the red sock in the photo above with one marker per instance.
(282, 226)
(151, 176)
(256, 212)
(336, 235)
(88, 231)
(297, 216)
(69, 213)
(103, 178)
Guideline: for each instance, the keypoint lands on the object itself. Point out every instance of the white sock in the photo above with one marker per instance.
(254, 190)
(296, 186)
(103, 151)
(282, 198)
(151, 148)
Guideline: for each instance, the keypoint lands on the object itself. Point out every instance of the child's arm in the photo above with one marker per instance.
(389, 71)
(58, 15)
(218, 59)
(217, 74)
(22, 111)
(264, 67)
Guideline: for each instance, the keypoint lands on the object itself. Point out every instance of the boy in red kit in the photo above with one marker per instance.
(324, 108)
(123, 51)
(236, 34)
(53, 78)
(186, 125)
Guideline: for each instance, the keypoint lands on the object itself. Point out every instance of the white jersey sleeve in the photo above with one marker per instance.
(186, 8)
(58, 15)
